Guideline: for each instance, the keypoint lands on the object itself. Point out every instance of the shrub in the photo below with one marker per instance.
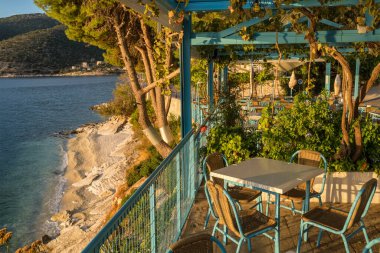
(145, 168)
(235, 143)
(309, 124)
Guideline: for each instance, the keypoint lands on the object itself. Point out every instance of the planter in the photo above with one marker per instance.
(342, 187)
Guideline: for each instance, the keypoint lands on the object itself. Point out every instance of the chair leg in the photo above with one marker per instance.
(225, 232)
(365, 234)
(293, 207)
(215, 226)
(249, 244)
(207, 218)
(345, 243)
(268, 202)
(319, 237)
(300, 237)
(260, 205)
(320, 200)
(239, 245)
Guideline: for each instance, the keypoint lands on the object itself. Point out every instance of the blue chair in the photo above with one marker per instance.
(337, 221)
(305, 157)
(243, 224)
(370, 245)
(200, 243)
(242, 195)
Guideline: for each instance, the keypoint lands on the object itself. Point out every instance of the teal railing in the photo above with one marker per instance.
(152, 219)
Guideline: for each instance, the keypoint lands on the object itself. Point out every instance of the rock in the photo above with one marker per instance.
(62, 216)
(46, 239)
(87, 180)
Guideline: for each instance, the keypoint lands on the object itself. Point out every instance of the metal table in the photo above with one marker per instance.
(272, 176)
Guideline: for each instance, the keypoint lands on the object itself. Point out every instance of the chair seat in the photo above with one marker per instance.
(297, 194)
(243, 194)
(327, 217)
(253, 221)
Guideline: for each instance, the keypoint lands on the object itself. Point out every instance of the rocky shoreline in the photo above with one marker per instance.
(68, 74)
(98, 157)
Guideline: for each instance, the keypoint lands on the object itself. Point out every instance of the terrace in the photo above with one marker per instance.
(171, 203)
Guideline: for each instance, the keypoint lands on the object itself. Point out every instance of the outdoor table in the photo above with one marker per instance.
(272, 176)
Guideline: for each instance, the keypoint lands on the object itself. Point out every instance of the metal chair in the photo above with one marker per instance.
(337, 221)
(370, 245)
(243, 224)
(310, 158)
(243, 195)
(198, 243)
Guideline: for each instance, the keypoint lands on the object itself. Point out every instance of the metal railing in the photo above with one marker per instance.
(152, 219)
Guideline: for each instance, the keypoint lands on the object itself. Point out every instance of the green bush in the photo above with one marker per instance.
(145, 168)
(309, 124)
(123, 102)
(235, 143)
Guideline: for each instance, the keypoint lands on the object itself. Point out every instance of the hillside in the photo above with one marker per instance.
(36, 44)
(20, 24)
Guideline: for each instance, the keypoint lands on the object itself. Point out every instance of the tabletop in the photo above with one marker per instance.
(267, 174)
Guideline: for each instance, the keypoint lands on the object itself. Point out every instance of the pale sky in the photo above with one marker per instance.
(13, 7)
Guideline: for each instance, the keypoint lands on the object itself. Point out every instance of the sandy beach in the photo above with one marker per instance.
(98, 157)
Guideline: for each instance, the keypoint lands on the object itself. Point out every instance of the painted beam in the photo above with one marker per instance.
(210, 84)
(328, 77)
(238, 27)
(357, 75)
(335, 36)
(224, 4)
(186, 118)
(331, 23)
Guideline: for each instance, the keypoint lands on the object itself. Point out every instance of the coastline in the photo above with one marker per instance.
(98, 157)
(68, 74)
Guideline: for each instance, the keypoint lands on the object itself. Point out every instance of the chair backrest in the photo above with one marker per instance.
(224, 207)
(362, 202)
(213, 162)
(310, 158)
(200, 243)
(370, 245)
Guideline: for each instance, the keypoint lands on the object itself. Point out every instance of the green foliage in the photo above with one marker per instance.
(123, 102)
(145, 168)
(309, 124)
(235, 143)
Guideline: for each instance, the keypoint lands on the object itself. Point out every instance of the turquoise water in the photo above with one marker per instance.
(32, 156)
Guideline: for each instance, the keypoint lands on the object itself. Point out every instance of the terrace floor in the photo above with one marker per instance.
(288, 231)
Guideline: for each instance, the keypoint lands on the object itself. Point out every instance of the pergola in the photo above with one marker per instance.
(335, 35)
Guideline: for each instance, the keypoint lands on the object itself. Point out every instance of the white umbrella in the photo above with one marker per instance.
(337, 85)
(292, 82)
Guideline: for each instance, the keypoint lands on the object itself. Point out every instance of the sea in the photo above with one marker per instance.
(32, 154)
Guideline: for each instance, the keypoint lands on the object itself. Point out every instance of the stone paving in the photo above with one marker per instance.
(288, 231)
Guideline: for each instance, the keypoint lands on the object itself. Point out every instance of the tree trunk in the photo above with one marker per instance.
(162, 121)
(143, 120)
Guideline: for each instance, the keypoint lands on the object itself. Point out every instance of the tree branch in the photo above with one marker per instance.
(154, 84)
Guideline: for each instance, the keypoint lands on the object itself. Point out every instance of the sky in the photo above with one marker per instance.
(13, 7)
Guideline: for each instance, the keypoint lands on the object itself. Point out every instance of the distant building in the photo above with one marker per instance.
(73, 67)
(98, 63)
(85, 65)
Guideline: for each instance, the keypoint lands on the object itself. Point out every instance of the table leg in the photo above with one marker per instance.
(307, 204)
(277, 218)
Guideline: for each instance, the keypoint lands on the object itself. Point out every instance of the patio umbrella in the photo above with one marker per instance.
(292, 82)
(337, 85)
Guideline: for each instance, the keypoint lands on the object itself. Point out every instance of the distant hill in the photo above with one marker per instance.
(37, 44)
(19, 24)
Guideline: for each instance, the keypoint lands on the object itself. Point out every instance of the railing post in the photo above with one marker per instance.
(357, 73)
(210, 84)
(178, 170)
(192, 167)
(328, 77)
(152, 212)
(186, 100)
